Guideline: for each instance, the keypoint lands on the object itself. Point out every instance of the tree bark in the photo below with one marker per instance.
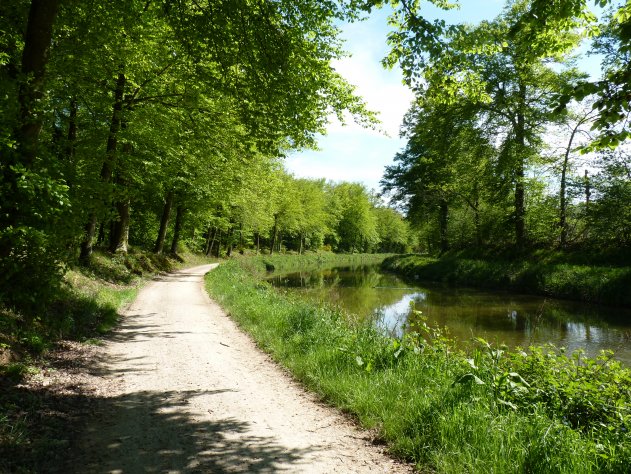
(101, 235)
(210, 241)
(71, 138)
(443, 222)
(164, 222)
(108, 165)
(562, 191)
(218, 254)
(179, 218)
(274, 232)
(37, 40)
(588, 195)
(562, 197)
(520, 141)
(119, 237)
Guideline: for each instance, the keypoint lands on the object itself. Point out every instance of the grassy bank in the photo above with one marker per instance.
(282, 263)
(537, 275)
(446, 411)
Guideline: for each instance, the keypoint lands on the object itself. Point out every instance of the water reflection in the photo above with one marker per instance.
(516, 320)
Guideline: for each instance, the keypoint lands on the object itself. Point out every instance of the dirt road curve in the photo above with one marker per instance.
(190, 393)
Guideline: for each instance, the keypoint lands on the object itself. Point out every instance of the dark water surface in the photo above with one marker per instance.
(512, 319)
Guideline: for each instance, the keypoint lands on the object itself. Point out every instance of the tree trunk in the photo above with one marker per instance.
(562, 203)
(588, 194)
(164, 222)
(179, 218)
(562, 193)
(218, 254)
(520, 141)
(108, 165)
(274, 232)
(71, 138)
(258, 246)
(443, 222)
(101, 235)
(478, 233)
(37, 42)
(210, 241)
(120, 231)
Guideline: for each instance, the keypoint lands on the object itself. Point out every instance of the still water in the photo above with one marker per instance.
(515, 320)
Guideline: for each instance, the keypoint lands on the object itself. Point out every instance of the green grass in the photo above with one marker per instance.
(282, 263)
(442, 409)
(545, 276)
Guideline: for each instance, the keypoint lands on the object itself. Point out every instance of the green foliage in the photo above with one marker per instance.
(473, 171)
(355, 225)
(394, 232)
(489, 411)
(134, 105)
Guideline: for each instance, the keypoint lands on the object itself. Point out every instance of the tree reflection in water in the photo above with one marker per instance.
(499, 317)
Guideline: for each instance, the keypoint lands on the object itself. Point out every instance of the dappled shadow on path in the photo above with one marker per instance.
(139, 432)
(154, 432)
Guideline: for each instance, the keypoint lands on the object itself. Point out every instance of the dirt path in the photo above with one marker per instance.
(188, 392)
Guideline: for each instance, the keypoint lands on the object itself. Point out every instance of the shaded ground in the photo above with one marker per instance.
(178, 388)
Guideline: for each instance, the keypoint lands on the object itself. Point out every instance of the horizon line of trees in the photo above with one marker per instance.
(292, 214)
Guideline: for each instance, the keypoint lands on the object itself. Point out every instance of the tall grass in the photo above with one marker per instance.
(442, 409)
(597, 284)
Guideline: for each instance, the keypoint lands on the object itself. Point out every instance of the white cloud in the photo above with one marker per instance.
(350, 152)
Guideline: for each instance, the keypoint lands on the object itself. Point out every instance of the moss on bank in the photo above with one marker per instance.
(609, 285)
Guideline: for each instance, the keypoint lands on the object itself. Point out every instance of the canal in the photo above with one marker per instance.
(499, 317)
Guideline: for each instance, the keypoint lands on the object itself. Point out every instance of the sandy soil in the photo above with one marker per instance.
(183, 390)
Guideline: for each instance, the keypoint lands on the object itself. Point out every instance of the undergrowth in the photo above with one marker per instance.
(490, 410)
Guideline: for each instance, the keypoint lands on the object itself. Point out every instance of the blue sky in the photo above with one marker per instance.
(350, 153)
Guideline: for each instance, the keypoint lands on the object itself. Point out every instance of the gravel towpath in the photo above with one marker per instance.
(187, 391)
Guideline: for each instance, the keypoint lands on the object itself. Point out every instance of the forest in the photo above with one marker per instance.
(161, 123)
